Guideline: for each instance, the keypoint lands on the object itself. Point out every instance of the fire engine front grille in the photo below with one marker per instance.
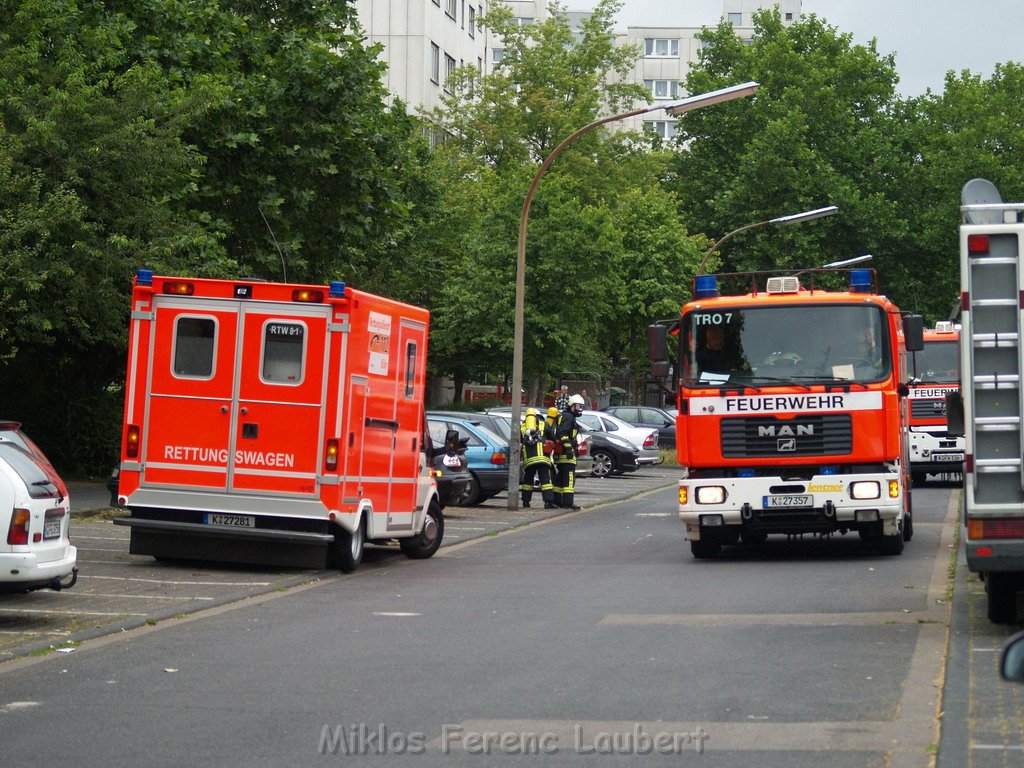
(827, 434)
(927, 409)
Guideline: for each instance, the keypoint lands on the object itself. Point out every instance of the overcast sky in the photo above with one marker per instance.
(928, 37)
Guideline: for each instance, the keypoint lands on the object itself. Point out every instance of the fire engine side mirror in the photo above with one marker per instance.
(954, 415)
(913, 332)
(657, 344)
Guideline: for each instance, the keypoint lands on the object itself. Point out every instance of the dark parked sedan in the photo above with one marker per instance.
(612, 455)
(646, 416)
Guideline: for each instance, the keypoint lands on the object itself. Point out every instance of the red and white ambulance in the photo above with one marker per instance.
(274, 423)
(935, 374)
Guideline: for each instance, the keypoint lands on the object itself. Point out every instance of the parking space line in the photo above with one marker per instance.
(66, 613)
(138, 597)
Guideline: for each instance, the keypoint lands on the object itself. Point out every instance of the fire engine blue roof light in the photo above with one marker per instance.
(337, 289)
(830, 470)
(144, 277)
(861, 281)
(746, 472)
(705, 287)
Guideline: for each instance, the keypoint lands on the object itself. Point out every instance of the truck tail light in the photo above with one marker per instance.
(498, 458)
(977, 244)
(308, 295)
(179, 287)
(131, 442)
(331, 455)
(1004, 528)
(17, 533)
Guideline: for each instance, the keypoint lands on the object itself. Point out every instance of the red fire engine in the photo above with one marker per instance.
(791, 410)
(935, 374)
(274, 423)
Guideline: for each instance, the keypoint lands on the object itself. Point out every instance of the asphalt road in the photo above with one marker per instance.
(582, 635)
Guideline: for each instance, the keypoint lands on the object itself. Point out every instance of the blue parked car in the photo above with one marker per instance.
(486, 453)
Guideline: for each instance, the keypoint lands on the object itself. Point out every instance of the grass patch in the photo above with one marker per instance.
(669, 457)
(97, 515)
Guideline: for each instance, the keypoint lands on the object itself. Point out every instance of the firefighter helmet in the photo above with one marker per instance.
(576, 400)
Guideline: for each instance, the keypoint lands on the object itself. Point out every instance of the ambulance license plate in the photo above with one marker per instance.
(232, 521)
(947, 456)
(790, 500)
(51, 529)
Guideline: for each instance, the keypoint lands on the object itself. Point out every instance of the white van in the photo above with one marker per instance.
(35, 513)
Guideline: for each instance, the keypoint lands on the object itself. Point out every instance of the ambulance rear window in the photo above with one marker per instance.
(193, 347)
(283, 347)
(410, 369)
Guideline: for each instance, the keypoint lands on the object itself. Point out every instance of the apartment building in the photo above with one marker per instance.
(424, 40)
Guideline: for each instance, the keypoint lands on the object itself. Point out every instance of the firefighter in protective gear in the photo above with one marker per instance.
(534, 432)
(567, 436)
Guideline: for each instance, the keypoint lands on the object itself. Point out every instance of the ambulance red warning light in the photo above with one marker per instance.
(275, 423)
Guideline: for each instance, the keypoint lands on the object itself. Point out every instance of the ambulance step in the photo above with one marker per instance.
(994, 302)
(992, 261)
(992, 340)
(997, 423)
(997, 466)
(995, 381)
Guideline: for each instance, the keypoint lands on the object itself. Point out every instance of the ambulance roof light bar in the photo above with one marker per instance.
(144, 277)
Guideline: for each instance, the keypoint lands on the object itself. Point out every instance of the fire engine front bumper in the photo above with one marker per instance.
(760, 505)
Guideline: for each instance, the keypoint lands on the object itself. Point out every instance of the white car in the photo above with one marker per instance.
(35, 513)
(644, 438)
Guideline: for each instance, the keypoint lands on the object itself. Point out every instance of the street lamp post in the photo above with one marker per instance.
(793, 218)
(678, 108)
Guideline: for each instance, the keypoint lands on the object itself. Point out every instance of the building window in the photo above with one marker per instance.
(662, 89)
(522, 21)
(736, 19)
(451, 8)
(472, 21)
(789, 17)
(497, 54)
(435, 63)
(666, 129)
(449, 69)
(655, 46)
(463, 14)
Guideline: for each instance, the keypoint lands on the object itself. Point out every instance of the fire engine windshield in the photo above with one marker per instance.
(938, 363)
(800, 344)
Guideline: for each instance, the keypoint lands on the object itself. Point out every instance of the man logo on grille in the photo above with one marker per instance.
(939, 407)
(786, 445)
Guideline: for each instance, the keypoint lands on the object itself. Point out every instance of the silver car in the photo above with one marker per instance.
(644, 438)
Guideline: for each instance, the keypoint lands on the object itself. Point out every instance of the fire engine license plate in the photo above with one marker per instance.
(51, 529)
(948, 456)
(235, 521)
(775, 502)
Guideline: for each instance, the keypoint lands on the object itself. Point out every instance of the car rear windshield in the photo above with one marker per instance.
(31, 471)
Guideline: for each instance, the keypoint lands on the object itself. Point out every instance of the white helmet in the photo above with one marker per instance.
(576, 400)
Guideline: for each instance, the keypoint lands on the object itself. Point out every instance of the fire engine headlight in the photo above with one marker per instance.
(866, 489)
(710, 494)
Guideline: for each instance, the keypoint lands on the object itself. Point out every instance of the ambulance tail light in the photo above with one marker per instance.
(331, 455)
(977, 244)
(1003, 528)
(179, 287)
(131, 442)
(498, 457)
(17, 533)
(308, 295)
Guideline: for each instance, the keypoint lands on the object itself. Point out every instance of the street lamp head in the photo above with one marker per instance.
(817, 213)
(848, 262)
(713, 97)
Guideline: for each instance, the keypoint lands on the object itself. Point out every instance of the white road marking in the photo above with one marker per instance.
(65, 613)
(201, 583)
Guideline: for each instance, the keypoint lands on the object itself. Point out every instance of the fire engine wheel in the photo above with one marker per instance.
(892, 545)
(427, 542)
(908, 520)
(347, 550)
(705, 550)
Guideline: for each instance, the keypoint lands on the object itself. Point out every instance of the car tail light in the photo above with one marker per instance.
(331, 455)
(651, 441)
(131, 444)
(1005, 528)
(498, 458)
(18, 532)
(584, 447)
